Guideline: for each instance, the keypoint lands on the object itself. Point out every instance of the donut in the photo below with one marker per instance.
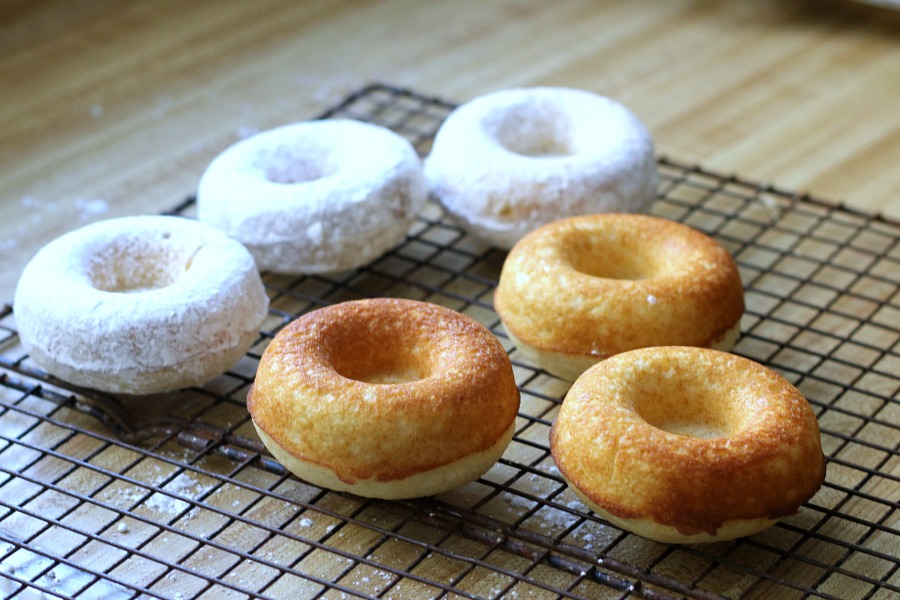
(385, 398)
(316, 196)
(507, 162)
(582, 289)
(686, 445)
(140, 305)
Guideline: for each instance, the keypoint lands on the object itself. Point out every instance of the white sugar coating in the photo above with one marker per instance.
(186, 486)
(316, 196)
(162, 503)
(505, 163)
(139, 305)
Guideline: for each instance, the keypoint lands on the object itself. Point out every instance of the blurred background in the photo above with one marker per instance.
(111, 108)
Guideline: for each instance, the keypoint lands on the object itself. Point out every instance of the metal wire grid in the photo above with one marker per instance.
(175, 497)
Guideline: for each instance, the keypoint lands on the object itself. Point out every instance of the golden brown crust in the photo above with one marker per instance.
(597, 285)
(626, 438)
(384, 389)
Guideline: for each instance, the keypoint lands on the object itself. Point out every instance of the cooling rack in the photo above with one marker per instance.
(173, 496)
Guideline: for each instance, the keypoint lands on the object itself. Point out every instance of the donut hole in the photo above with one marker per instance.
(380, 369)
(133, 265)
(608, 258)
(537, 131)
(295, 164)
(680, 405)
(381, 362)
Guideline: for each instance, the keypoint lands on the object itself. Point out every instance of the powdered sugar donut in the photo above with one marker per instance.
(505, 163)
(139, 305)
(316, 196)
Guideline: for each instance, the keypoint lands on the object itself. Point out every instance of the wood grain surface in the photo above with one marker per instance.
(111, 108)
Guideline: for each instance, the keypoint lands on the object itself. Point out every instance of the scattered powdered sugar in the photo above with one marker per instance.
(83, 209)
(124, 496)
(558, 519)
(549, 468)
(518, 501)
(186, 485)
(773, 207)
(651, 299)
(588, 539)
(183, 486)
(165, 504)
(88, 209)
(171, 500)
(246, 131)
(36, 208)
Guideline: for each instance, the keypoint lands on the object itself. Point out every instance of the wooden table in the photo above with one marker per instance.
(112, 108)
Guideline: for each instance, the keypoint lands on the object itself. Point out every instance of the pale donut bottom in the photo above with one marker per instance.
(667, 534)
(427, 483)
(192, 371)
(570, 366)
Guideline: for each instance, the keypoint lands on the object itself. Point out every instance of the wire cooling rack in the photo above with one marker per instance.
(173, 496)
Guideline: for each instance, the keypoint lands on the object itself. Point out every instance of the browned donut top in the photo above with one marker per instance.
(689, 438)
(384, 388)
(601, 284)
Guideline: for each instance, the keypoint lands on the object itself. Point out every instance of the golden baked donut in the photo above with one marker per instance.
(140, 305)
(510, 161)
(684, 445)
(385, 398)
(578, 290)
(315, 196)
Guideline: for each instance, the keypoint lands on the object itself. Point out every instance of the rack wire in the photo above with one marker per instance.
(175, 497)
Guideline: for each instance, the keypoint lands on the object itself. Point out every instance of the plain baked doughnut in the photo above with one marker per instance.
(385, 398)
(686, 445)
(139, 305)
(510, 161)
(315, 196)
(579, 290)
